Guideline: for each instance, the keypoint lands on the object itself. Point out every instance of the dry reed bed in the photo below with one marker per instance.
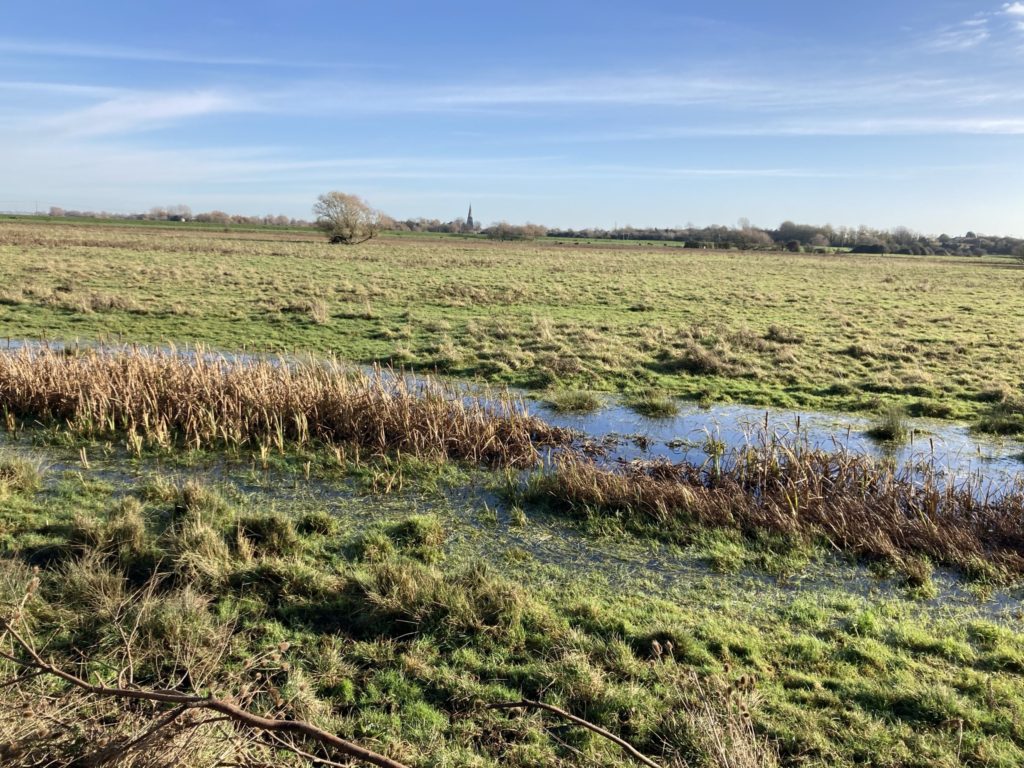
(202, 401)
(856, 503)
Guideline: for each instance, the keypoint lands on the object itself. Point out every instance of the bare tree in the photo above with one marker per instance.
(347, 218)
(505, 231)
(216, 217)
(179, 212)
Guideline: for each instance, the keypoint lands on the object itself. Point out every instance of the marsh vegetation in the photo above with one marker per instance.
(383, 616)
(938, 336)
(388, 558)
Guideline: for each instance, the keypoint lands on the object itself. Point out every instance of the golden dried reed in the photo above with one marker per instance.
(856, 503)
(197, 400)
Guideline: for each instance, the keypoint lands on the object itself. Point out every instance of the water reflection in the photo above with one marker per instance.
(617, 433)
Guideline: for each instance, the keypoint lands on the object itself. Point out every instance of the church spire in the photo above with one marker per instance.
(469, 218)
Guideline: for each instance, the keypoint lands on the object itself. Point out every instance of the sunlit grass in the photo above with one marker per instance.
(792, 330)
(378, 619)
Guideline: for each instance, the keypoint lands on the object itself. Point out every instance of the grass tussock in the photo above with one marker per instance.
(167, 399)
(783, 335)
(852, 502)
(716, 716)
(698, 360)
(891, 426)
(572, 401)
(654, 404)
(1005, 416)
(18, 474)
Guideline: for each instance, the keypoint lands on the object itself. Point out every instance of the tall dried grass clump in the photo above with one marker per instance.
(18, 474)
(854, 502)
(714, 718)
(199, 400)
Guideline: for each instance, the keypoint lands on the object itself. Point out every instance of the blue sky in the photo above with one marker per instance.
(566, 113)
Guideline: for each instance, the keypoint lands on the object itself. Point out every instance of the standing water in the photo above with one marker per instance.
(696, 434)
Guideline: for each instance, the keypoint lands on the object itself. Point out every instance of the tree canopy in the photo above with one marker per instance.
(347, 218)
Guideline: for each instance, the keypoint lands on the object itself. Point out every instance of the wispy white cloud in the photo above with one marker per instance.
(735, 95)
(103, 168)
(628, 89)
(729, 106)
(115, 52)
(811, 104)
(494, 95)
(670, 172)
(987, 27)
(808, 126)
(898, 126)
(60, 89)
(139, 111)
(683, 90)
(962, 37)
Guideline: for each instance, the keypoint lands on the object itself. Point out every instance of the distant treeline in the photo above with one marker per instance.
(810, 238)
(453, 227)
(788, 235)
(184, 213)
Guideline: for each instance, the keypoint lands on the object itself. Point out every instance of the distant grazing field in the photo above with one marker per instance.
(943, 336)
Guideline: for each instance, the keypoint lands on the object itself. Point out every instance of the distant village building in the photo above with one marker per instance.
(469, 219)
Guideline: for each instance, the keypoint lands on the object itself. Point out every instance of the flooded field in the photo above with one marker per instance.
(697, 433)
(614, 432)
(628, 555)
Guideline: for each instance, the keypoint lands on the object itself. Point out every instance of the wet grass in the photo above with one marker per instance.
(381, 626)
(414, 433)
(803, 331)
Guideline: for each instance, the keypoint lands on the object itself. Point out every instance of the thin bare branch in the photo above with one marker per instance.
(116, 751)
(625, 745)
(277, 741)
(222, 706)
(21, 678)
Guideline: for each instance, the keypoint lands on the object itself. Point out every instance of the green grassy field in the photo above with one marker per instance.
(352, 560)
(397, 624)
(941, 336)
(158, 224)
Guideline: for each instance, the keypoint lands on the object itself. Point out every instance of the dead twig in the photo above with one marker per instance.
(625, 745)
(222, 706)
(277, 741)
(117, 751)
